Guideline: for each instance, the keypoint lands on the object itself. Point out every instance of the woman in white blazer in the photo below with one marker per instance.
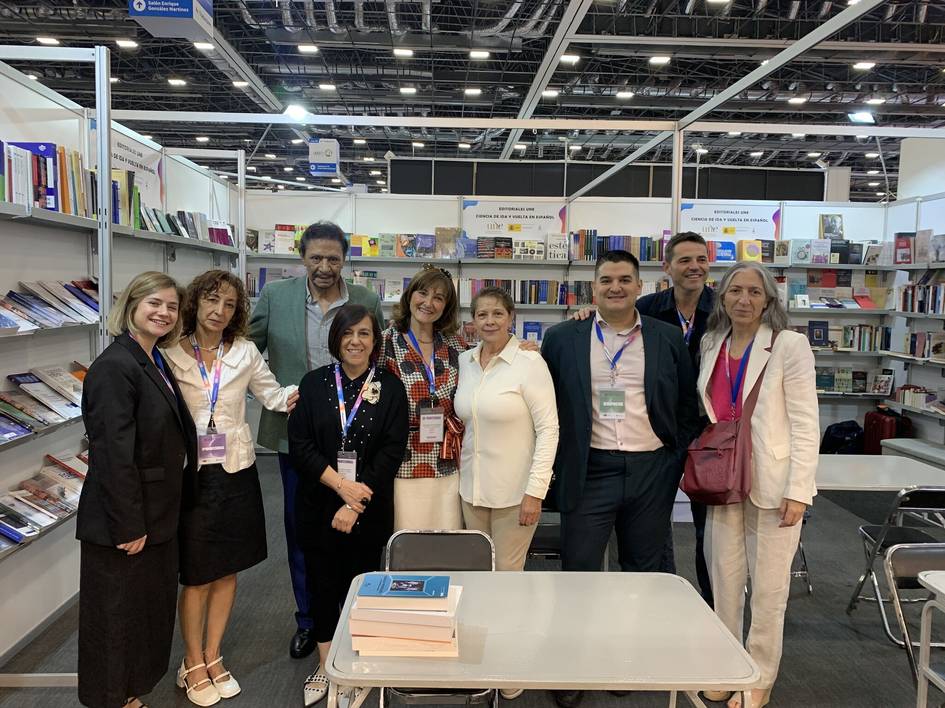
(759, 536)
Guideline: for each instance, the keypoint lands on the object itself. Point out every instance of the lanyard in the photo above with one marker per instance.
(431, 377)
(687, 325)
(346, 419)
(735, 386)
(159, 362)
(612, 360)
(212, 391)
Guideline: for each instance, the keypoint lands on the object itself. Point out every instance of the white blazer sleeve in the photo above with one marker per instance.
(263, 384)
(539, 395)
(800, 398)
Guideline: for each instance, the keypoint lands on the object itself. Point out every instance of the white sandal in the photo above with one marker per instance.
(227, 686)
(202, 693)
(316, 688)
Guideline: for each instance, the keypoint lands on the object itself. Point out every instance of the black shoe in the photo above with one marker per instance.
(302, 644)
(568, 699)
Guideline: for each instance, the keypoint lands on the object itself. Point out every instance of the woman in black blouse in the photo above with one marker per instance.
(345, 510)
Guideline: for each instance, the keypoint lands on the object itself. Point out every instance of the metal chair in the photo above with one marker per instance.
(440, 551)
(801, 557)
(878, 539)
(903, 564)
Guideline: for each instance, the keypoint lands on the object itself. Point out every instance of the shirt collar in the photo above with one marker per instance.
(309, 300)
(183, 360)
(508, 353)
(604, 326)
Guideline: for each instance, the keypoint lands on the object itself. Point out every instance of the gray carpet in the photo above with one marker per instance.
(830, 659)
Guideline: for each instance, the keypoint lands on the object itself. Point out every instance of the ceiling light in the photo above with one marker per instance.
(204, 167)
(241, 84)
(572, 58)
(126, 43)
(864, 65)
(875, 101)
(764, 62)
(861, 117)
(478, 54)
(575, 148)
(880, 194)
(702, 151)
(299, 179)
(177, 82)
(797, 100)
(862, 137)
(146, 137)
(295, 111)
(381, 182)
(49, 41)
(202, 139)
(223, 176)
(384, 189)
(549, 93)
(521, 146)
(360, 141)
(798, 135)
(400, 52)
(32, 77)
(270, 156)
(371, 159)
(416, 145)
(871, 155)
(473, 92)
(308, 49)
(113, 80)
(204, 46)
(716, 2)
(251, 168)
(266, 177)
(872, 184)
(734, 133)
(408, 90)
(757, 153)
(288, 169)
(659, 60)
(375, 173)
(464, 146)
(298, 141)
(872, 172)
(335, 180)
(280, 186)
(814, 154)
(327, 87)
(624, 94)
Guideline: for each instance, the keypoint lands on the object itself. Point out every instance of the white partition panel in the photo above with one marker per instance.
(616, 216)
(394, 213)
(861, 222)
(932, 213)
(266, 209)
(30, 115)
(190, 188)
(901, 216)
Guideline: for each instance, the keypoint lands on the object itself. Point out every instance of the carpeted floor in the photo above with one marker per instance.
(830, 659)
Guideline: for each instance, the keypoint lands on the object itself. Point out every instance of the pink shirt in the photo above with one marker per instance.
(720, 389)
(634, 433)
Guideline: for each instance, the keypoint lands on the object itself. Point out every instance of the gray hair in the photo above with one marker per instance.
(774, 315)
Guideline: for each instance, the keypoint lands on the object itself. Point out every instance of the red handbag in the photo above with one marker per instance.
(718, 462)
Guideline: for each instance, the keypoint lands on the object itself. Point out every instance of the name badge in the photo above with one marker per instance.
(612, 403)
(211, 447)
(348, 465)
(431, 425)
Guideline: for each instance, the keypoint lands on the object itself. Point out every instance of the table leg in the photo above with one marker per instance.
(925, 637)
(694, 698)
(358, 696)
(332, 695)
(672, 699)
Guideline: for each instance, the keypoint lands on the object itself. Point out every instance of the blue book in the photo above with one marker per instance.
(82, 295)
(531, 331)
(46, 179)
(390, 591)
(725, 251)
(11, 430)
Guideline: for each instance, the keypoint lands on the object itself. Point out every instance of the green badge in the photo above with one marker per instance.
(612, 403)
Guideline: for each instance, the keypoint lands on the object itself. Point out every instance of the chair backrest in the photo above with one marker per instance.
(439, 550)
(919, 500)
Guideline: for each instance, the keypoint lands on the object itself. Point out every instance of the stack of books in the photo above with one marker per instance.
(405, 615)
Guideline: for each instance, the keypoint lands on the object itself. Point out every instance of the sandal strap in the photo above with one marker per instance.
(215, 661)
(197, 685)
(192, 668)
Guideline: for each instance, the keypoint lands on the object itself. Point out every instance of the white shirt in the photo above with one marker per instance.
(244, 370)
(511, 421)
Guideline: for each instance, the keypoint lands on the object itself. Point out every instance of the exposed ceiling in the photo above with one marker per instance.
(355, 71)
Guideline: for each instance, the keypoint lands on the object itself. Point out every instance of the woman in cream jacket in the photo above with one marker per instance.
(758, 537)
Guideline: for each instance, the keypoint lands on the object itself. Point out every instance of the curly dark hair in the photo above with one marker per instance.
(206, 284)
(430, 276)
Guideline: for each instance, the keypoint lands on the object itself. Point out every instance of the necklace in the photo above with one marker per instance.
(425, 341)
(209, 349)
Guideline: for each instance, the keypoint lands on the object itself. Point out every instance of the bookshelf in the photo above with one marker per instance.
(837, 311)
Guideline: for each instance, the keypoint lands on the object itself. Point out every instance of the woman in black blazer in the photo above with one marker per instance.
(142, 448)
(345, 512)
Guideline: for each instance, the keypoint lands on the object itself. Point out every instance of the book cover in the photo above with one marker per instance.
(444, 618)
(387, 245)
(824, 378)
(36, 518)
(856, 253)
(50, 490)
(843, 379)
(831, 226)
(61, 381)
(922, 245)
(819, 251)
(45, 174)
(839, 251)
(767, 251)
(782, 252)
(401, 591)
(24, 324)
(485, 247)
(800, 251)
(70, 463)
(859, 382)
(880, 381)
(557, 249)
(532, 331)
(466, 247)
(937, 248)
(425, 245)
(406, 245)
(15, 529)
(38, 310)
(31, 384)
(503, 247)
(27, 421)
(40, 505)
(874, 251)
(393, 289)
(817, 333)
(725, 252)
(11, 430)
(31, 407)
(446, 238)
(903, 243)
(938, 346)
(749, 250)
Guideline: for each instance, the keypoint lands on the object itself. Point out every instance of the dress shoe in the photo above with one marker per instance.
(568, 699)
(203, 692)
(316, 688)
(226, 684)
(302, 644)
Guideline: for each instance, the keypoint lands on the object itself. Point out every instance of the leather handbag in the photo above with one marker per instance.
(718, 462)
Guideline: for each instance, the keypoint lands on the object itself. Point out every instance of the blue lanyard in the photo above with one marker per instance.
(735, 386)
(159, 362)
(612, 360)
(686, 325)
(428, 368)
(212, 391)
(346, 419)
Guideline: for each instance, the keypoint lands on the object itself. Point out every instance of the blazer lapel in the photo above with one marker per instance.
(150, 368)
(652, 350)
(706, 367)
(582, 353)
(760, 353)
(297, 317)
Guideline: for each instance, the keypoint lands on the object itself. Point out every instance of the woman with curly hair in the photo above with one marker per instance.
(225, 532)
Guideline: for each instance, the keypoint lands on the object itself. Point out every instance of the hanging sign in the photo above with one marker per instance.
(731, 221)
(188, 19)
(146, 163)
(323, 157)
(524, 220)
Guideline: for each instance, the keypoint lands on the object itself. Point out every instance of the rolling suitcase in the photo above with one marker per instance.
(880, 425)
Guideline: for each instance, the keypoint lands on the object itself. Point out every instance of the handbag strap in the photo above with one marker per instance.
(749, 406)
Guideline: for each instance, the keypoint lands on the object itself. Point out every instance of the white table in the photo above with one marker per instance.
(569, 631)
(875, 473)
(934, 580)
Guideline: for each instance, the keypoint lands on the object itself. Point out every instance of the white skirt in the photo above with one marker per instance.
(427, 503)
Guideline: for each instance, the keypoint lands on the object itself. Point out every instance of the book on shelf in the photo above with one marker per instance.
(61, 381)
(503, 247)
(817, 333)
(532, 331)
(800, 251)
(387, 245)
(873, 255)
(446, 238)
(31, 384)
(27, 421)
(485, 247)
(831, 226)
(406, 246)
(397, 591)
(11, 429)
(60, 299)
(44, 172)
(922, 245)
(749, 250)
(15, 528)
(937, 248)
(937, 347)
(839, 251)
(819, 251)
(42, 506)
(393, 289)
(23, 325)
(903, 243)
(30, 406)
(48, 488)
(843, 379)
(69, 462)
(425, 246)
(37, 310)
(824, 378)
(13, 506)
(880, 381)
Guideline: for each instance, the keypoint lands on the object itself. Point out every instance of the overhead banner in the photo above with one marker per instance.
(323, 157)
(145, 162)
(529, 220)
(731, 221)
(188, 19)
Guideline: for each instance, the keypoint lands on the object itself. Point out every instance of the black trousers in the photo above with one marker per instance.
(631, 493)
(668, 564)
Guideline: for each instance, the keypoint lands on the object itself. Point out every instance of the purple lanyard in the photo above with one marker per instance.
(429, 369)
(346, 419)
(213, 392)
(734, 387)
(685, 324)
(612, 360)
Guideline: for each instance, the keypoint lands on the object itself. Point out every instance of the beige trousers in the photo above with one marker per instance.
(511, 540)
(742, 540)
(427, 503)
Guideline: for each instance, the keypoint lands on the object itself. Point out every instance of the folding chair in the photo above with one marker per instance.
(903, 564)
(878, 539)
(801, 557)
(440, 551)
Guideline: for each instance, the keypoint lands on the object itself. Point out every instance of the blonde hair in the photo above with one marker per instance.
(121, 316)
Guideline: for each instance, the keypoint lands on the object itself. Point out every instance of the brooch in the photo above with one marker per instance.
(372, 393)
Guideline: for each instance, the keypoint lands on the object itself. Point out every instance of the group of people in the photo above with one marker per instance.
(408, 426)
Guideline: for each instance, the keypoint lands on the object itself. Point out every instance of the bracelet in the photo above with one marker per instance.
(351, 508)
(340, 482)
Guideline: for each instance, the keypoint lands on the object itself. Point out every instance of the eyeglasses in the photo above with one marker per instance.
(431, 266)
(332, 261)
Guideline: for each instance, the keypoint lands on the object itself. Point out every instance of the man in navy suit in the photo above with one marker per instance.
(627, 411)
